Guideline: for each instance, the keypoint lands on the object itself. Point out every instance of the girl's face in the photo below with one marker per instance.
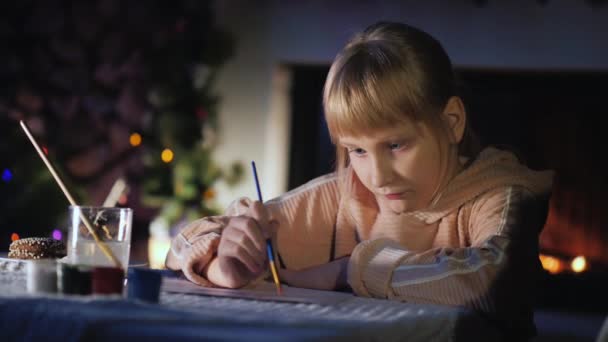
(400, 165)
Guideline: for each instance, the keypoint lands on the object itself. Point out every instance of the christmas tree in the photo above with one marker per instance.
(110, 89)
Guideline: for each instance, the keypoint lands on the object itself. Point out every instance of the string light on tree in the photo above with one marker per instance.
(57, 234)
(14, 237)
(201, 113)
(167, 155)
(135, 139)
(7, 175)
(209, 194)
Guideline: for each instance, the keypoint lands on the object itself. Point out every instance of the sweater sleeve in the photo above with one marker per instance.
(196, 244)
(307, 223)
(488, 276)
(306, 217)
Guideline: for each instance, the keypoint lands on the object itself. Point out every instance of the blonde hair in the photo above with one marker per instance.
(389, 73)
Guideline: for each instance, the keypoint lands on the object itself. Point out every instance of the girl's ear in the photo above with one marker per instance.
(455, 118)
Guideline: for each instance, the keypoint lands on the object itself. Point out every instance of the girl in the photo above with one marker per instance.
(413, 213)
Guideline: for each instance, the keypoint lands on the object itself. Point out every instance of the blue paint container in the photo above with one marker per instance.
(144, 284)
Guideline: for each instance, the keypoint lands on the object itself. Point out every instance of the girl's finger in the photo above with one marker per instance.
(229, 249)
(242, 239)
(258, 211)
(250, 228)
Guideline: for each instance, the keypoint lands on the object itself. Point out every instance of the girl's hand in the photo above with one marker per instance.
(241, 255)
(330, 276)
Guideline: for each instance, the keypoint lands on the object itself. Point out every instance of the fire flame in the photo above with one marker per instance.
(556, 265)
(578, 264)
(551, 264)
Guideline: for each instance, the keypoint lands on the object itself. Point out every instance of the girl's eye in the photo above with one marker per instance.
(357, 151)
(396, 146)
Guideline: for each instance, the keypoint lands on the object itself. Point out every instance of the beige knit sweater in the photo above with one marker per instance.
(477, 245)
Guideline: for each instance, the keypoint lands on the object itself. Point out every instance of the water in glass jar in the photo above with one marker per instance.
(87, 252)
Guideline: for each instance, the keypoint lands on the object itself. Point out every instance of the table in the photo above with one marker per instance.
(186, 317)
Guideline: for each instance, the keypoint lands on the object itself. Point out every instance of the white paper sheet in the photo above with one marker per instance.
(264, 291)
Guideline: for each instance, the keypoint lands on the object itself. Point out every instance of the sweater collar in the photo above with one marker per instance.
(492, 169)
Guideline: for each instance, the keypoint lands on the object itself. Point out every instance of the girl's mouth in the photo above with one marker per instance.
(394, 196)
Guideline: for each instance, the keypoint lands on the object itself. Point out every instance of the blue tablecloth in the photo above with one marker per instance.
(185, 317)
(45, 319)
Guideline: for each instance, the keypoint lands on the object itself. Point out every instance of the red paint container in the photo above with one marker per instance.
(108, 280)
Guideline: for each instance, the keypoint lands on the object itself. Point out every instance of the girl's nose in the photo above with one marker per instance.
(381, 172)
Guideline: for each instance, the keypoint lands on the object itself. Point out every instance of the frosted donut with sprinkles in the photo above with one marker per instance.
(37, 248)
